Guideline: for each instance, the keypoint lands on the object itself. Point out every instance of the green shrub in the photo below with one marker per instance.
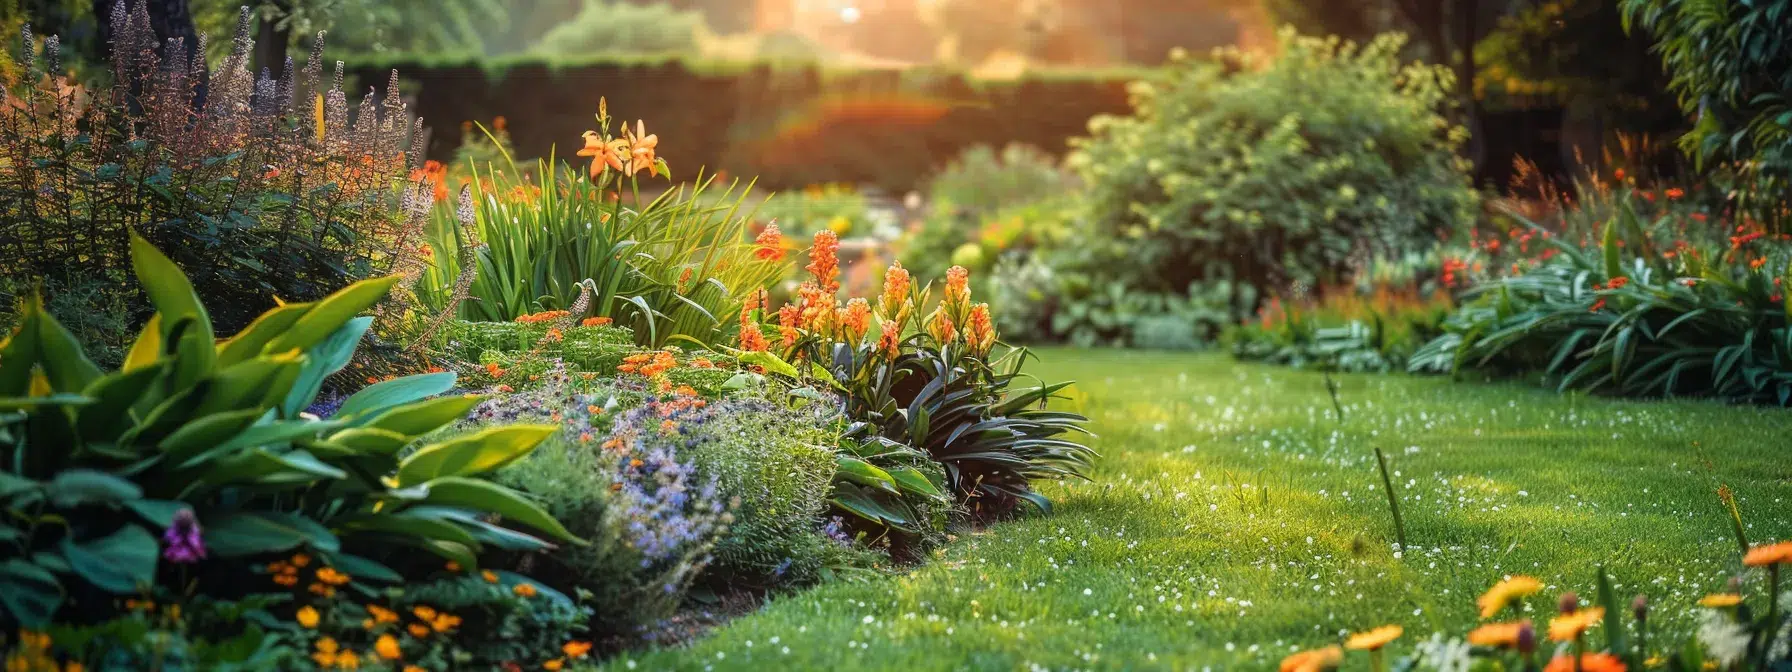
(777, 464)
(1349, 329)
(625, 28)
(202, 444)
(252, 197)
(825, 207)
(987, 203)
(1271, 173)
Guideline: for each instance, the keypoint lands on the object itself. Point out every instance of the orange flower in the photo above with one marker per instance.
(553, 665)
(752, 340)
(445, 622)
(1675, 193)
(418, 630)
(893, 303)
(381, 614)
(605, 155)
(980, 333)
(890, 342)
(387, 647)
(330, 576)
(1771, 554)
(1568, 627)
(1497, 634)
(1317, 660)
(939, 326)
(1374, 639)
(595, 321)
(576, 649)
(824, 262)
(307, 616)
(1757, 262)
(770, 243)
(524, 589)
(1589, 662)
(855, 320)
(492, 369)
(543, 316)
(641, 148)
(489, 576)
(1504, 592)
(958, 286)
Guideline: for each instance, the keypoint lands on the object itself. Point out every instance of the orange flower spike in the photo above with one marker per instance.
(940, 327)
(770, 243)
(752, 339)
(889, 343)
(824, 260)
(958, 287)
(980, 331)
(855, 320)
(893, 303)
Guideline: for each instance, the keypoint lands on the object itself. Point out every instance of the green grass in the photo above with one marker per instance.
(1232, 518)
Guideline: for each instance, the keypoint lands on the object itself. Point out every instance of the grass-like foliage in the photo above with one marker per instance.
(525, 241)
(256, 188)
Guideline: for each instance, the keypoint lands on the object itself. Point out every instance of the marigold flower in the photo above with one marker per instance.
(1589, 662)
(1504, 592)
(824, 261)
(576, 649)
(489, 575)
(307, 616)
(1316, 660)
(1374, 639)
(327, 649)
(595, 321)
(1498, 634)
(1771, 554)
(445, 622)
(418, 630)
(553, 665)
(524, 589)
(770, 243)
(1720, 600)
(1568, 627)
(958, 286)
(387, 647)
(330, 576)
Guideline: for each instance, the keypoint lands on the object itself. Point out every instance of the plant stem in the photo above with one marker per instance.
(1393, 501)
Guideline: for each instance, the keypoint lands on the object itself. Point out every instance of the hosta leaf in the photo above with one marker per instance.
(423, 417)
(76, 487)
(493, 498)
(122, 563)
(30, 593)
(247, 533)
(384, 395)
(477, 453)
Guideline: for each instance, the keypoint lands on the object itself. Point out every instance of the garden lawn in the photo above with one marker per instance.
(1232, 517)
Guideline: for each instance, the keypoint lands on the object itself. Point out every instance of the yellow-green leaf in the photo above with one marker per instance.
(473, 454)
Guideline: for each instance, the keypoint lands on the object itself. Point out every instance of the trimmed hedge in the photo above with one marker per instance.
(789, 125)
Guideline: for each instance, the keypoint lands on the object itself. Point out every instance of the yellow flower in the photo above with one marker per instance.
(387, 647)
(553, 665)
(1721, 600)
(445, 622)
(1504, 592)
(307, 616)
(330, 576)
(1771, 554)
(1568, 627)
(1374, 639)
(1497, 634)
(524, 589)
(418, 630)
(381, 614)
(347, 660)
(1316, 660)
(423, 612)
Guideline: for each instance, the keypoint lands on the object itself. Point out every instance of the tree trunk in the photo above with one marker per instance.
(272, 40)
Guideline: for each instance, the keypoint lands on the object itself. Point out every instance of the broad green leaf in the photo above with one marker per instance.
(76, 487)
(174, 299)
(363, 569)
(148, 346)
(474, 454)
(912, 480)
(158, 511)
(862, 472)
(386, 525)
(322, 361)
(122, 563)
(422, 417)
(493, 498)
(770, 362)
(246, 533)
(207, 432)
(381, 396)
(253, 339)
(857, 501)
(30, 593)
(110, 413)
(260, 465)
(331, 314)
(259, 383)
(370, 441)
(64, 364)
(18, 356)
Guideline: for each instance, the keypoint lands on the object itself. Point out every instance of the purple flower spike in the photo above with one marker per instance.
(185, 546)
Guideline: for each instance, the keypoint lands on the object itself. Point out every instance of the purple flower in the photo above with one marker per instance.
(185, 546)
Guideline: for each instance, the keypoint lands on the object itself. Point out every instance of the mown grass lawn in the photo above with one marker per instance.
(1233, 517)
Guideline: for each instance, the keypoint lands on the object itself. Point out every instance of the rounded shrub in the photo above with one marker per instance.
(1272, 171)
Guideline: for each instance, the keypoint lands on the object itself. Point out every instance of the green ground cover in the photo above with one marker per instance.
(1233, 518)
